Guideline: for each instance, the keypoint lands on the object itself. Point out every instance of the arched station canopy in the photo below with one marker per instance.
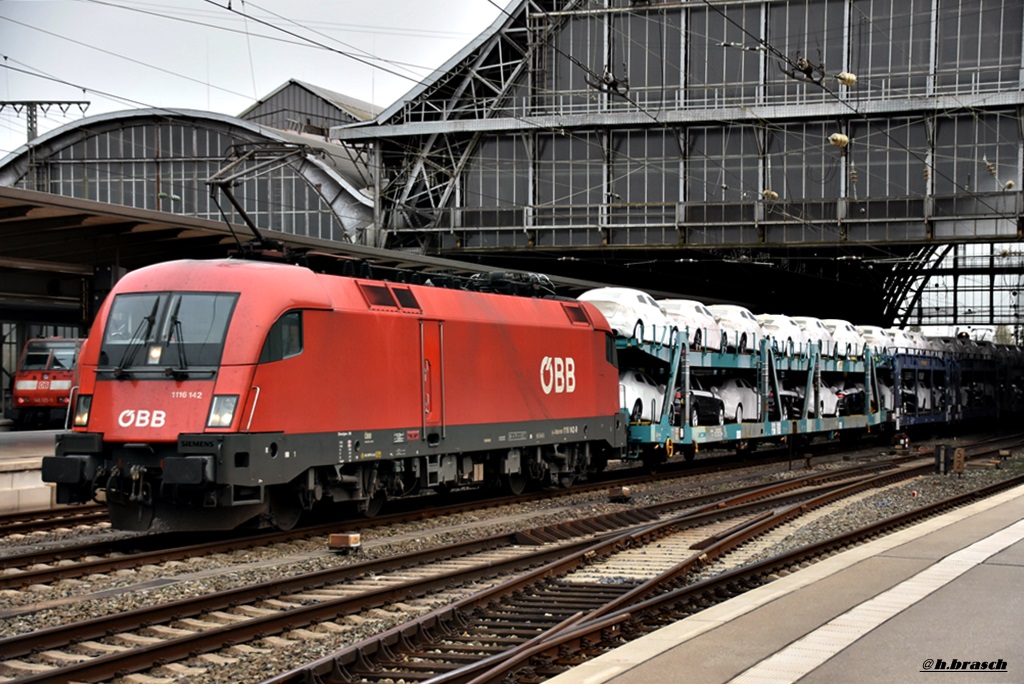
(59, 255)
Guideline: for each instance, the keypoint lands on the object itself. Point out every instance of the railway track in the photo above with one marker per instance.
(552, 643)
(313, 606)
(53, 519)
(96, 649)
(49, 520)
(72, 561)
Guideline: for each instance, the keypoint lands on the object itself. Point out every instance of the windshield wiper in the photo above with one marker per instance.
(175, 330)
(136, 342)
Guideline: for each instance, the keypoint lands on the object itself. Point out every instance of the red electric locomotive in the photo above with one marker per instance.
(219, 393)
(43, 380)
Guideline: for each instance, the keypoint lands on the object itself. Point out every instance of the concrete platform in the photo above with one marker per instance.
(925, 604)
(21, 486)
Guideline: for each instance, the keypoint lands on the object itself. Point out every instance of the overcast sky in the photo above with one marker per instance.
(199, 54)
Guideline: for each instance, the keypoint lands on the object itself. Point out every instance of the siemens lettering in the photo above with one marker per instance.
(558, 375)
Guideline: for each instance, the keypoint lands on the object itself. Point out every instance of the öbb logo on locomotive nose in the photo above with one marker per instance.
(142, 418)
(558, 374)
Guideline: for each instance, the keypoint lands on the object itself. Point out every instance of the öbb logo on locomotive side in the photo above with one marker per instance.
(558, 374)
(142, 418)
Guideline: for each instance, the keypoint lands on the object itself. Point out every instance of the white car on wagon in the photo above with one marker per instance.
(787, 336)
(640, 395)
(877, 338)
(742, 331)
(741, 399)
(819, 334)
(691, 315)
(631, 313)
(848, 341)
(902, 340)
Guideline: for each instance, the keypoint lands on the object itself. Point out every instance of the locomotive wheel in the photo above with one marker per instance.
(375, 504)
(285, 509)
(516, 483)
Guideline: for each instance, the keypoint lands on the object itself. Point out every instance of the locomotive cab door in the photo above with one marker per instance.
(432, 380)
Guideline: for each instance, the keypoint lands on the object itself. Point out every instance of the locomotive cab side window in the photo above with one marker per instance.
(284, 339)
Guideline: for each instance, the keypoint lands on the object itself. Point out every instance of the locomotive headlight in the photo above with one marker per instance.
(222, 410)
(155, 352)
(82, 407)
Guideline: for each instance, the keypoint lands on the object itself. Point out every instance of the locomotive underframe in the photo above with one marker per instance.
(270, 478)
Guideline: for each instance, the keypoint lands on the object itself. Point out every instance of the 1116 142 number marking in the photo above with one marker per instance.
(183, 394)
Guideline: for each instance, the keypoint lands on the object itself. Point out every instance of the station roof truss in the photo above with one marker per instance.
(51, 248)
(568, 86)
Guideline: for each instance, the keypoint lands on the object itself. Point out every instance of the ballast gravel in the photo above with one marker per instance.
(75, 600)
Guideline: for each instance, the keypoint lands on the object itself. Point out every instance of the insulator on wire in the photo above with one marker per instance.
(770, 195)
(839, 140)
(847, 79)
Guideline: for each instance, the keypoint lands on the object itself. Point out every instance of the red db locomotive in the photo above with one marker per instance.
(44, 380)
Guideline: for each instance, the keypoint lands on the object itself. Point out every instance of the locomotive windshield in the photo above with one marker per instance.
(49, 355)
(166, 330)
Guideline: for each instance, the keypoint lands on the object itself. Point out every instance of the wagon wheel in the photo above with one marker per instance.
(652, 459)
